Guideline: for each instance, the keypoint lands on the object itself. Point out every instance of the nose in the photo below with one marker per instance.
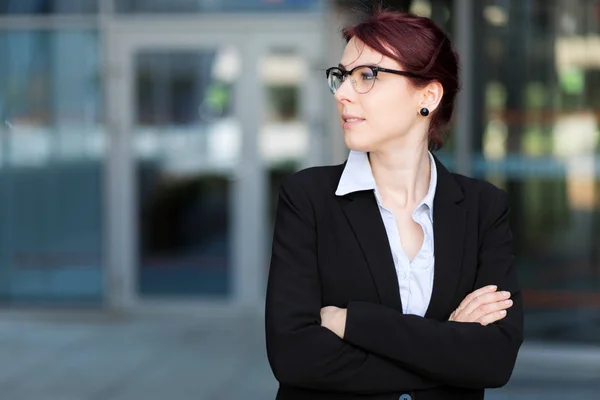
(345, 92)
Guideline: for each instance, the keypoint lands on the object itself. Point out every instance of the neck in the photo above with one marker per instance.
(402, 174)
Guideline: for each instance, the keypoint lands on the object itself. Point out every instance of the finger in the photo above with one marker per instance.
(477, 293)
(481, 311)
(487, 298)
(493, 317)
(490, 308)
(452, 316)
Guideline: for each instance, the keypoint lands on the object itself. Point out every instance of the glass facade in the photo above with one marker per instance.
(51, 160)
(208, 6)
(45, 7)
(536, 133)
(83, 7)
(537, 77)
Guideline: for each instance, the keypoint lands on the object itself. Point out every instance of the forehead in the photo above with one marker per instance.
(357, 53)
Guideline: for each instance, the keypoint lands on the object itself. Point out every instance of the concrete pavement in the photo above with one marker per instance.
(93, 355)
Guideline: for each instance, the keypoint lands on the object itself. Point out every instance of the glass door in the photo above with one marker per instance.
(177, 160)
(186, 145)
(183, 152)
(205, 126)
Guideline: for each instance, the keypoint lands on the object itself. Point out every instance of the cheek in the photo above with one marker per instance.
(389, 116)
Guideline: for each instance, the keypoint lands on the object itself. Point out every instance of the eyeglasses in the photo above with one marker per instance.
(362, 77)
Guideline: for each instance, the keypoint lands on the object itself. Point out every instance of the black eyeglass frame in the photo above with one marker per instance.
(374, 68)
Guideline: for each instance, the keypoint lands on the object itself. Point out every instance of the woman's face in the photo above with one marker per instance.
(388, 113)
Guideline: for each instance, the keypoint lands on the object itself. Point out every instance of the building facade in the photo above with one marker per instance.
(143, 141)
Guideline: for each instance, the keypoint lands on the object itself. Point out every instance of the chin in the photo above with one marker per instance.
(358, 142)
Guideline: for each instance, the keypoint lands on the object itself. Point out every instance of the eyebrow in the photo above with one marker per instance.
(340, 65)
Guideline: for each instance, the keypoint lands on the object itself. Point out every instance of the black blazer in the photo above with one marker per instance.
(330, 250)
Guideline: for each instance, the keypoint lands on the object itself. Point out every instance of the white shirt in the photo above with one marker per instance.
(415, 279)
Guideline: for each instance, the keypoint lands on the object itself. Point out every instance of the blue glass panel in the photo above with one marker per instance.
(51, 163)
(17, 7)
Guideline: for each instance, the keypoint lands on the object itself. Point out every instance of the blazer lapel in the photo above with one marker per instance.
(449, 223)
(363, 214)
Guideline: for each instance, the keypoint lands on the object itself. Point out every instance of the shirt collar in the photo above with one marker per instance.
(358, 176)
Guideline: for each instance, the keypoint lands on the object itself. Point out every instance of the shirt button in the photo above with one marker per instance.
(406, 397)
(403, 275)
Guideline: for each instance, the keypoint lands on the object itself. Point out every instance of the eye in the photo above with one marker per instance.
(366, 74)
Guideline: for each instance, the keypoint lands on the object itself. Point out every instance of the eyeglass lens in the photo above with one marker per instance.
(362, 79)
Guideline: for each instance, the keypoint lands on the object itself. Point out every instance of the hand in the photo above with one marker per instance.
(484, 305)
(334, 319)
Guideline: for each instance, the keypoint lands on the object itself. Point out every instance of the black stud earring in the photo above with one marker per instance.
(424, 112)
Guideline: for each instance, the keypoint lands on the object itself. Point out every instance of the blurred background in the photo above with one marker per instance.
(142, 143)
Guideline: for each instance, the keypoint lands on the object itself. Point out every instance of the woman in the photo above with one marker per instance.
(390, 277)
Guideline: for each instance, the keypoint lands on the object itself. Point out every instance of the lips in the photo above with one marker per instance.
(349, 120)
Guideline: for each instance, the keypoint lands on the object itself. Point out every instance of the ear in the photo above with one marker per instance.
(432, 96)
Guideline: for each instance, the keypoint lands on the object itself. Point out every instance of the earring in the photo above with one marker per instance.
(424, 112)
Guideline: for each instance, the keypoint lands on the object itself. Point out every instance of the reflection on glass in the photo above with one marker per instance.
(284, 133)
(186, 144)
(539, 67)
(51, 162)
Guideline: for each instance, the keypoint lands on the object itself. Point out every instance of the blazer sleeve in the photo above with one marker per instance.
(459, 354)
(300, 351)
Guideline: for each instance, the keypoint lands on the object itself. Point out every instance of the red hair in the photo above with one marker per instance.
(422, 48)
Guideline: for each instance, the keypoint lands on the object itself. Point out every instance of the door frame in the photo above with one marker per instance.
(252, 36)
